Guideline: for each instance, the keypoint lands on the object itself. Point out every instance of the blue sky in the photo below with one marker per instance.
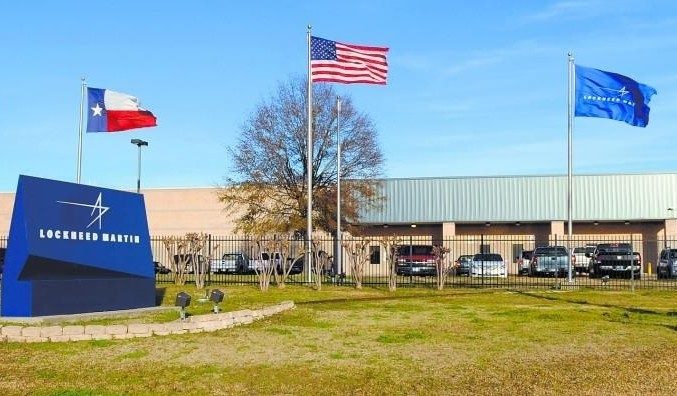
(475, 88)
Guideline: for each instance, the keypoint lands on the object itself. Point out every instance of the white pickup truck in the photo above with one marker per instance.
(264, 260)
(292, 266)
(582, 257)
(231, 263)
(241, 263)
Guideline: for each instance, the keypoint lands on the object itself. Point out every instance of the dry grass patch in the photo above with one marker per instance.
(340, 341)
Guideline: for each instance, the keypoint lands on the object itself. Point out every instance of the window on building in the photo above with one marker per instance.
(517, 251)
(374, 255)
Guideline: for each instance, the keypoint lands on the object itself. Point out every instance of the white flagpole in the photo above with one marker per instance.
(338, 185)
(570, 127)
(82, 113)
(309, 167)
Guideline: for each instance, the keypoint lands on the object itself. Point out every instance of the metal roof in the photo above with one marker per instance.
(525, 198)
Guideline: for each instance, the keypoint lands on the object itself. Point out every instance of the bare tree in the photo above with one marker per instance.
(441, 265)
(391, 244)
(321, 263)
(279, 247)
(176, 250)
(358, 255)
(189, 254)
(264, 264)
(201, 254)
(269, 188)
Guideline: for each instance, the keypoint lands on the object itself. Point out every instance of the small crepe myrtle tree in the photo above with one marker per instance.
(358, 256)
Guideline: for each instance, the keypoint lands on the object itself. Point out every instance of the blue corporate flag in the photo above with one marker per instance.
(610, 95)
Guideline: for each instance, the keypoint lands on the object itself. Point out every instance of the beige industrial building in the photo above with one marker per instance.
(531, 210)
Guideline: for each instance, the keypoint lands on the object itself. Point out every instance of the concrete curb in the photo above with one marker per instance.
(193, 324)
(56, 319)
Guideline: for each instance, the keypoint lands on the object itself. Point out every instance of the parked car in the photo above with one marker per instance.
(615, 259)
(415, 260)
(2, 260)
(230, 263)
(463, 264)
(667, 264)
(550, 261)
(160, 269)
(262, 261)
(582, 257)
(188, 262)
(488, 264)
(265, 259)
(297, 265)
(524, 262)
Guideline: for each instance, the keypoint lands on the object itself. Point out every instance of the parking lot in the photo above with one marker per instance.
(497, 262)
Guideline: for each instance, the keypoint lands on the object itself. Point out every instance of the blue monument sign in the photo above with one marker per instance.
(74, 248)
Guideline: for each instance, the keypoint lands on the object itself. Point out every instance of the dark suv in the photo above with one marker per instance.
(2, 260)
(297, 265)
(463, 264)
(615, 259)
(160, 269)
(667, 264)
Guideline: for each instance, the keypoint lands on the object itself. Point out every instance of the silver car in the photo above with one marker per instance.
(488, 264)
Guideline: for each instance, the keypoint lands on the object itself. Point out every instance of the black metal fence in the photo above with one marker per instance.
(471, 262)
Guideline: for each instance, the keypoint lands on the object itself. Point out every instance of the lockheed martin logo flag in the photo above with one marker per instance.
(610, 95)
(110, 111)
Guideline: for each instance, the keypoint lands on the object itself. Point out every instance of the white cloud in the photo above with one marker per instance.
(473, 63)
(569, 9)
(454, 62)
(413, 61)
(494, 56)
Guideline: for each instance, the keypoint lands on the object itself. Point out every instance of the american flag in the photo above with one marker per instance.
(347, 63)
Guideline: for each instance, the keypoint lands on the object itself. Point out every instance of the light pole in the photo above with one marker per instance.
(139, 143)
(665, 228)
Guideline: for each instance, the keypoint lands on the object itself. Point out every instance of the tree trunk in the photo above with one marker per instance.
(392, 280)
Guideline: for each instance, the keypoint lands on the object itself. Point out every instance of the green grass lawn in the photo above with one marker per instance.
(413, 341)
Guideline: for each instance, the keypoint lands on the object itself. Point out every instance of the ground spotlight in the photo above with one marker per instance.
(182, 301)
(216, 297)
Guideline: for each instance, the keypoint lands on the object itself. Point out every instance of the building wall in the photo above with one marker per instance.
(179, 211)
(525, 198)
(6, 206)
(172, 211)
(430, 231)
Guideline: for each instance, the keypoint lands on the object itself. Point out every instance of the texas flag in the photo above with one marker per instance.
(111, 111)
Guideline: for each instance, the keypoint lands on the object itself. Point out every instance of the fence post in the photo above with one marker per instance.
(411, 264)
(209, 264)
(482, 260)
(632, 265)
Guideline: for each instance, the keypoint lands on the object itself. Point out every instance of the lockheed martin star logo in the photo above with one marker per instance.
(621, 92)
(97, 206)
